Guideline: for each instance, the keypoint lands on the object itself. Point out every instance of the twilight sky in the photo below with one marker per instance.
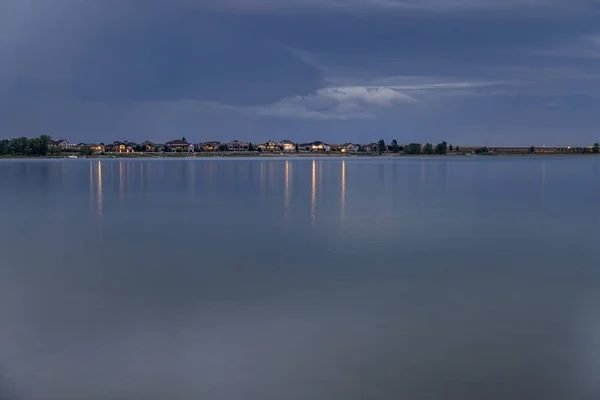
(493, 72)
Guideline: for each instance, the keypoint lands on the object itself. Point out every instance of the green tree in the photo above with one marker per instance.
(381, 144)
(483, 149)
(4, 149)
(596, 148)
(55, 150)
(457, 149)
(450, 147)
(395, 146)
(428, 148)
(413, 148)
(441, 148)
(296, 148)
(250, 147)
(532, 150)
(18, 146)
(86, 151)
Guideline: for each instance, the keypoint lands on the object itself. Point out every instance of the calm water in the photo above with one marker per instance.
(443, 278)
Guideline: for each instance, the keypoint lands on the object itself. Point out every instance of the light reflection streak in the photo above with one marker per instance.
(343, 194)
(91, 185)
(286, 202)
(313, 199)
(121, 181)
(100, 193)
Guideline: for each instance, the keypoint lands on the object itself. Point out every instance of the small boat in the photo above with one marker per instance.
(72, 156)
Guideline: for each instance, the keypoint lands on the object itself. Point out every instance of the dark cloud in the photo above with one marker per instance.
(92, 70)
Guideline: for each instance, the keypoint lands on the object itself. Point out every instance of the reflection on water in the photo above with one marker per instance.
(287, 189)
(343, 191)
(425, 278)
(313, 195)
(99, 189)
(121, 180)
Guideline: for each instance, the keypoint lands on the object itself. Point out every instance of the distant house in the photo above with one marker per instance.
(148, 146)
(287, 146)
(60, 143)
(314, 147)
(350, 148)
(209, 146)
(371, 148)
(236, 145)
(123, 147)
(271, 145)
(97, 148)
(179, 145)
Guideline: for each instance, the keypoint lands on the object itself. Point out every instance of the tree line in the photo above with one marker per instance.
(23, 146)
(416, 148)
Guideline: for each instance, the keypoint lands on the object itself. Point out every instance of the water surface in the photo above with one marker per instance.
(410, 278)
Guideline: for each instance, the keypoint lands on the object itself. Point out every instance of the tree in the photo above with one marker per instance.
(441, 148)
(18, 146)
(457, 149)
(596, 148)
(381, 144)
(413, 148)
(250, 147)
(428, 148)
(139, 149)
(55, 150)
(395, 147)
(296, 148)
(450, 147)
(86, 151)
(532, 150)
(184, 139)
(4, 149)
(483, 149)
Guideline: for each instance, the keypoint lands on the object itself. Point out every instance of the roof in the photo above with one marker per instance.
(178, 143)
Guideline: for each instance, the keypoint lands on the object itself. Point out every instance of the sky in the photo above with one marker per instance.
(471, 72)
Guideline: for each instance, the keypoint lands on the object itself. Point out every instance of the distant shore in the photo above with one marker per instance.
(284, 155)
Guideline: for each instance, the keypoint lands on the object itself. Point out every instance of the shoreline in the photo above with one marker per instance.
(283, 155)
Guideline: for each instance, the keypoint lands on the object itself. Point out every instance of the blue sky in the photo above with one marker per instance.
(482, 72)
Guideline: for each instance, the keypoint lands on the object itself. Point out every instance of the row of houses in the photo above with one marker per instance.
(284, 146)
(213, 146)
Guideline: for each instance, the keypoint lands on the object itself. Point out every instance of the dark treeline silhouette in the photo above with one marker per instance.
(23, 146)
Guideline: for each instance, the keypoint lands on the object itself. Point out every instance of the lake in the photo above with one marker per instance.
(268, 279)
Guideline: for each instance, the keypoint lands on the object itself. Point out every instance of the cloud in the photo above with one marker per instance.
(584, 47)
(337, 103)
(399, 5)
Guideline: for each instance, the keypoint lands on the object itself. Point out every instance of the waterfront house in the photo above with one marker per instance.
(209, 146)
(314, 147)
(371, 148)
(319, 146)
(119, 147)
(287, 146)
(60, 143)
(97, 148)
(180, 145)
(148, 146)
(350, 148)
(237, 146)
(270, 146)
